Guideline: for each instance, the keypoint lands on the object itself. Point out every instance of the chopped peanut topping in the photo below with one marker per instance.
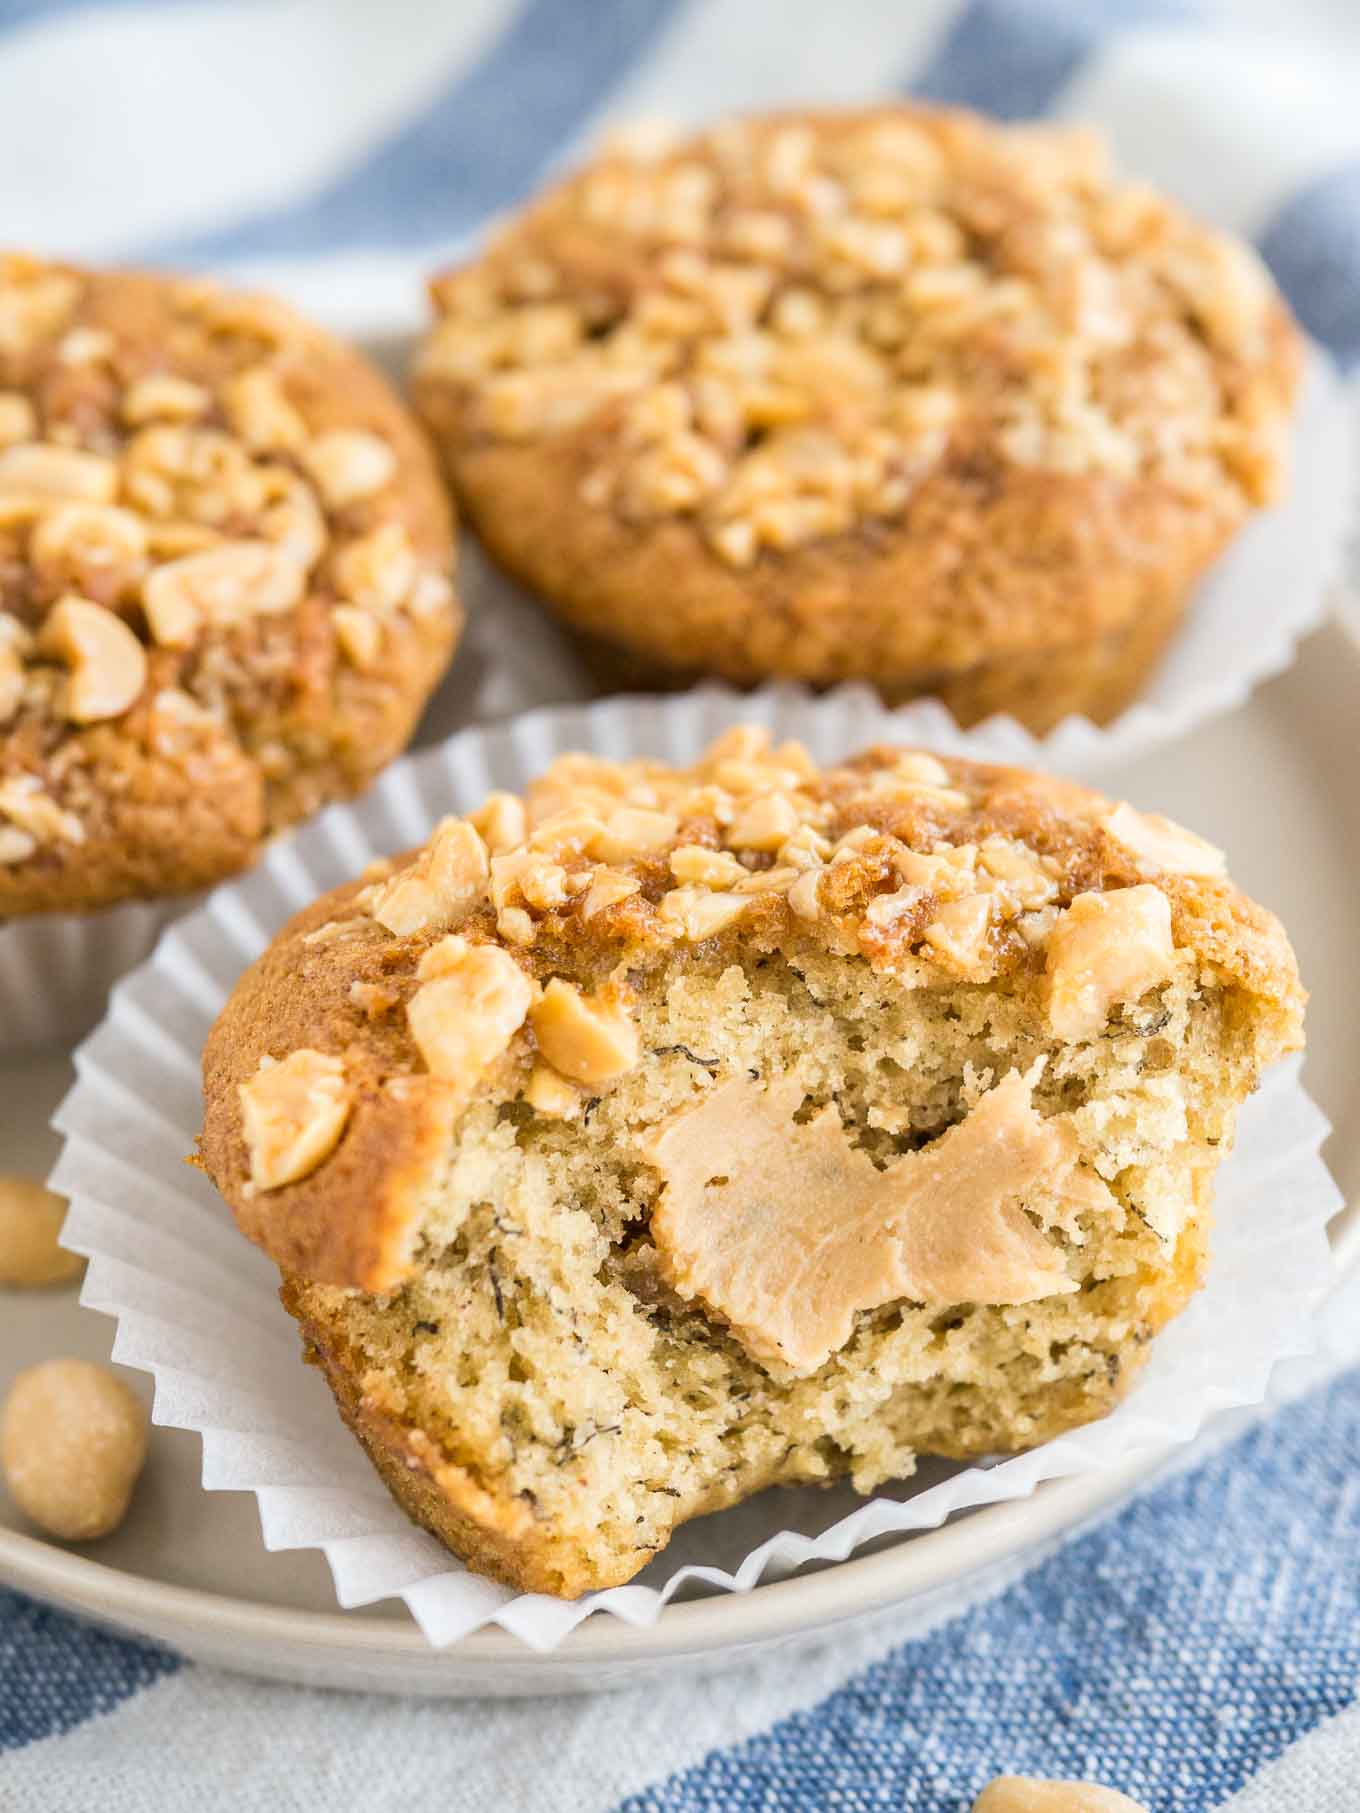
(349, 464)
(459, 865)
(16, 845)
(441, 887)
(86, 346)
(92, 548)
(588, 1039)
(921, 770)
(223, 586)
(377, 571)
(515, 926)
(949, 873)
(543, 884)
(259, 411)
(767, 881)
(633, 830)
(1016, 871)
(18, 418)
(706, 868)
(1160, 843)
(764, 824)
(788, 1231)
(443, 957)
(876, 855)
(959, 933)
(548, 1092)
(164, 397)
(292, 1115)
(742, 743)
(1106, 948)
(804, 896)
(359, 634)
(694, 914)
(37, 815)
(158, 445)
(465, 1016)
(49, 471)
(806, 348)
(36, 302)
(565, 833)
(290, 517)
(107, 663)
(606, 889)
(501, 821)
(11, 678)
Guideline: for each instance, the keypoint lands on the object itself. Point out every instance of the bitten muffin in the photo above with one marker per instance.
(673, 1133)
(225, 580)
(900, 395)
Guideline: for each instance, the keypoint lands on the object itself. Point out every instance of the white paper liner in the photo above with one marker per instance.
(56, 969)
(197, 1305)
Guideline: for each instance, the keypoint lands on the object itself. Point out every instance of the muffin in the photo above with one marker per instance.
(898, 395)
(225, 559)
(668, 1134)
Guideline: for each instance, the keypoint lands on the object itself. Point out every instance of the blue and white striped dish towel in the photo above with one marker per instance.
(1202, 1648)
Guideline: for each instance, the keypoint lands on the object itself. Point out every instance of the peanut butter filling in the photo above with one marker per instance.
(788, 1231)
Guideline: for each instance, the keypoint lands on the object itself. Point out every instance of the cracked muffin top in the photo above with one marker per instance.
(887, 393)
(225, 580)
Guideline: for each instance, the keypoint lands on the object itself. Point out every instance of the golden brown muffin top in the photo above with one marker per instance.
(501, 959)
(779, 329)
(217, 525)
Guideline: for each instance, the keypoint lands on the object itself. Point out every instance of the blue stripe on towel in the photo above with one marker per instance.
(478, 147)
(1013, 58)
(1172, 1652)
(1313, 247)
(58, 1672)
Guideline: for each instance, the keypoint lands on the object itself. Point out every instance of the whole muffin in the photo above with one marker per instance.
(225, 580)
(898, 395)
(672, 1133)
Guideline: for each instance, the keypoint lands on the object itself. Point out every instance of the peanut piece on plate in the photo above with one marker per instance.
(1026, 1794)
(72, 1445)
(30, 1227)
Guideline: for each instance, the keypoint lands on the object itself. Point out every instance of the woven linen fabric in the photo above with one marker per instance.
(1201, 1648)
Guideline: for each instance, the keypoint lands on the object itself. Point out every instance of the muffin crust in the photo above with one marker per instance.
(225, 594)
(897, 394)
